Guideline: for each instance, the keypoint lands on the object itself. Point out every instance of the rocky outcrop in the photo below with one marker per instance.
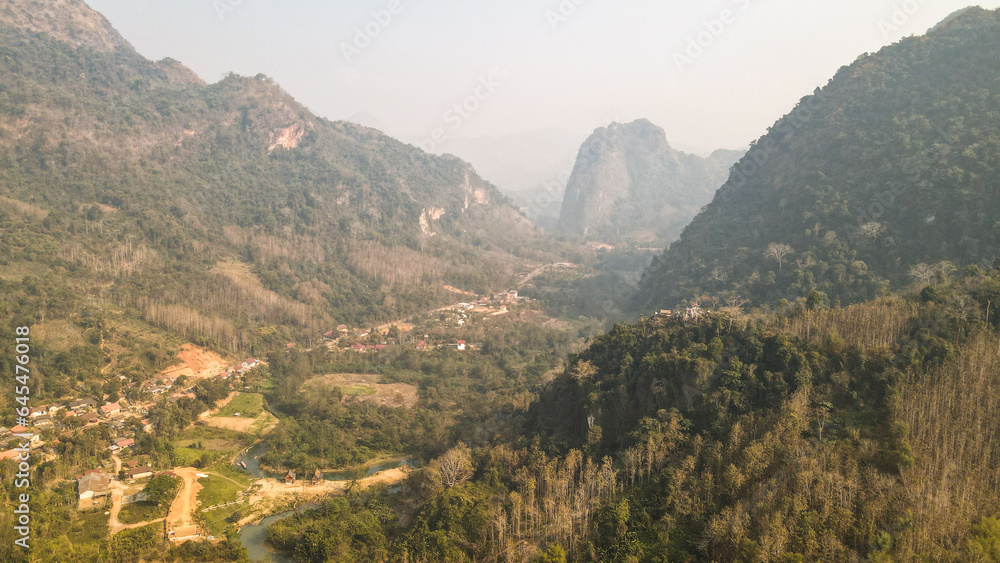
(629, 183)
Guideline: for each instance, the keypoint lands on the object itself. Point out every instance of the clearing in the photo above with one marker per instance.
(196, 363)
(366, 388)
(252, 417)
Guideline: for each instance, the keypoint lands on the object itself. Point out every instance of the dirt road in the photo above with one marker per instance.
(181, 524)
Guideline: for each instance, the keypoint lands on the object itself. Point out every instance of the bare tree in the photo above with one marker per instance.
(719, 275)
(922, 273)
(777, 251)
(872, 230)
(455, 466)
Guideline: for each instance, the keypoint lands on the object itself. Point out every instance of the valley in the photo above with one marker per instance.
(242, 331)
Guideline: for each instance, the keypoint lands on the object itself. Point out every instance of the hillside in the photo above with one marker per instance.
(630, 184)
(889, 168)
(816, 434)
(221, 212)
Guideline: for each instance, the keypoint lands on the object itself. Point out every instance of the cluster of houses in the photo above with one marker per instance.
(93, 485)
(241, 368)
(335, 334)
(291, 476)
(687, 314)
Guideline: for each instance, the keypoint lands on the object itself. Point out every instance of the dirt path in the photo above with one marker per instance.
(116, 506)
(181, 523)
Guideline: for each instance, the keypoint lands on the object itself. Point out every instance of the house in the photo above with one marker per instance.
(358, 347)
(93, 484)
(44, 421)
(35, 412)
(123, 443)
(140, 473)
(290, 478)
(328, 335)
(342, 329)
(317, 477)
(10, 454)
(81, 404)
(461, 345)
(18, 429)
(147, 426)
(422, 345)
(89, 418)
(111, 409)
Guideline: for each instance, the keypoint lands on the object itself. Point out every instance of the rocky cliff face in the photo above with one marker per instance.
(629, 183)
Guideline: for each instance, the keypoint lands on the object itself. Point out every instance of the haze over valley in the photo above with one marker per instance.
(580, 281)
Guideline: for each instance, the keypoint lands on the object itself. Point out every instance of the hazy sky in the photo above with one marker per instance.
(523, 65)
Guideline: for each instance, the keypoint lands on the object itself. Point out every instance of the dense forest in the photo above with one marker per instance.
(888, 168)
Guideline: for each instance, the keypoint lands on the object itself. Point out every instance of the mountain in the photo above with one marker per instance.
(629, 183)
(809, 435)
(222, 212)
(888, 169)
(531, 168)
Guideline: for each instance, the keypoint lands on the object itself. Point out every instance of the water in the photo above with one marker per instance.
(252, 459)
(253, 538)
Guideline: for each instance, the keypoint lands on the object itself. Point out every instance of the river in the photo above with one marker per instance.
(254, 536)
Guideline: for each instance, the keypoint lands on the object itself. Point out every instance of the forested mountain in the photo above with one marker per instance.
(865, 433)
(630, 184)
(889, 167)
(215, 210)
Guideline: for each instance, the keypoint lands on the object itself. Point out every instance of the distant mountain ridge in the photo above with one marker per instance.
(107, 154)
(629, 183)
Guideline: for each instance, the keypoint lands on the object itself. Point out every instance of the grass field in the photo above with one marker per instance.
(191, 444)
(142, 512)
(88, 527)
(246, 404)
(356, 390)
(222, 486)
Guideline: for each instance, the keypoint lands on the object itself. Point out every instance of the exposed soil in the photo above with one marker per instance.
(180, 519)
(196, 363)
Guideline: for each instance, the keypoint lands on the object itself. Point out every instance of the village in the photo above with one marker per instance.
(123, 422)
(210, 450)
(457, 316)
